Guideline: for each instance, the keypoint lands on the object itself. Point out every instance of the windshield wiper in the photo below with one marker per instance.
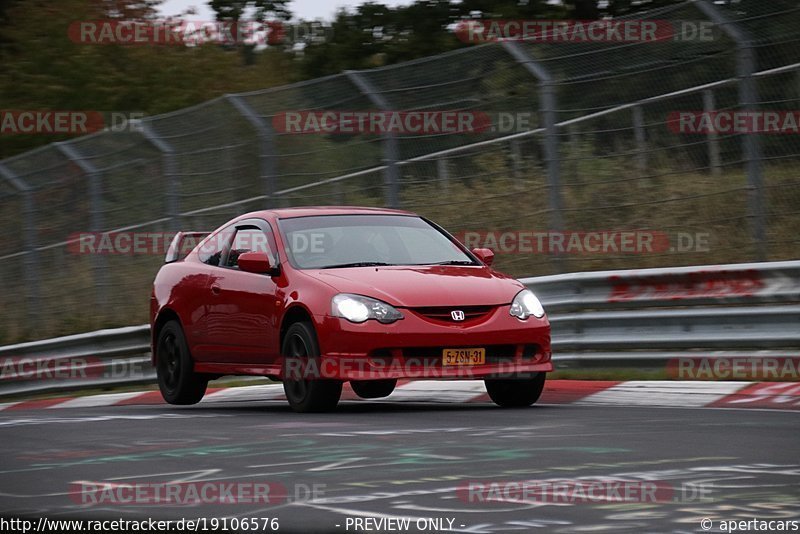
(358, 264)
(453, 262)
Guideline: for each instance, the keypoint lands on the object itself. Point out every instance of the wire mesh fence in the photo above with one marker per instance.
(582, 155)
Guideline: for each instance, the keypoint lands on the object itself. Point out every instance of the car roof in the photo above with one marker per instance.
(311, 211)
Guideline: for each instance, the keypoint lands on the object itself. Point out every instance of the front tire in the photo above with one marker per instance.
(515, 392)
(307, 395)
(373, 389)
(178, 382)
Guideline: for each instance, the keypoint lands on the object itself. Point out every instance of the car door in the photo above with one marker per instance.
(241, 321)
(212, 254)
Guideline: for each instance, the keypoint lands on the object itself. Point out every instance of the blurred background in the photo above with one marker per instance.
(595, 151)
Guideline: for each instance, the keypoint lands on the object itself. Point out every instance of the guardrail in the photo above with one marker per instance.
(104, 358)
(604, 318)
(645, 316)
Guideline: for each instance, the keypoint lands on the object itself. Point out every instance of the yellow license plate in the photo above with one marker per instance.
(463, 356)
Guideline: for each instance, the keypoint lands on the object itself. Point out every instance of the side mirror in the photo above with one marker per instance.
(486, 255)
(255, 262)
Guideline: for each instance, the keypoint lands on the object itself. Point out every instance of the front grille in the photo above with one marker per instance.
(444, 313)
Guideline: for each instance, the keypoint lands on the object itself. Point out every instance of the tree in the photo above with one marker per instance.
(264, 10)
(375, 34)
(44, 70)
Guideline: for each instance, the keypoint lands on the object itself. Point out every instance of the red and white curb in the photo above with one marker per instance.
(686, 394)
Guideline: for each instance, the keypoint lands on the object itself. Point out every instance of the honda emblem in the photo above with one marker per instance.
(457, 315)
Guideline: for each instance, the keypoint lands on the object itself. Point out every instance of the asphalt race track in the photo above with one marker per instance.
(410, 460)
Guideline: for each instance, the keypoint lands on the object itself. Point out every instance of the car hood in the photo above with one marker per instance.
(425, 285)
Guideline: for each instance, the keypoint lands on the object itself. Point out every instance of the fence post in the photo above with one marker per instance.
(170, 165)
(266, 138)
(443, 170)
(549, 110)
(639, 137)
(96, 217)
(709, 106)
(516, 160)
(391, 150)
(748, 100)
(573, 162)
(30, 259)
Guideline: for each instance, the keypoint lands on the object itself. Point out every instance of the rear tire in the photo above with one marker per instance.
(306, 395)
(373, 389)
(515, 392)
(178, 382)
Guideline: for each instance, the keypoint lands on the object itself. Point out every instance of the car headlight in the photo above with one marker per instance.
(357, 309)
(526, 304)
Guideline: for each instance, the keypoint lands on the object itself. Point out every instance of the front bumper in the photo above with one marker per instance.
(412, 348)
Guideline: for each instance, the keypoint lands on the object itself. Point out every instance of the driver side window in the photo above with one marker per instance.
(251, 239)
(212, 251)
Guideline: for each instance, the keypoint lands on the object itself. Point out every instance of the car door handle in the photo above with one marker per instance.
(215, 289)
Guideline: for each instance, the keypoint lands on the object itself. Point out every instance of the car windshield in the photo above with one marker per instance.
(342, 241)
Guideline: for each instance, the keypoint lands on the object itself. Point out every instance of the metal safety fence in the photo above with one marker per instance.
(582, 142)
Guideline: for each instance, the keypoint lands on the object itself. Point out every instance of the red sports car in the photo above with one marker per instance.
(319, 296)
